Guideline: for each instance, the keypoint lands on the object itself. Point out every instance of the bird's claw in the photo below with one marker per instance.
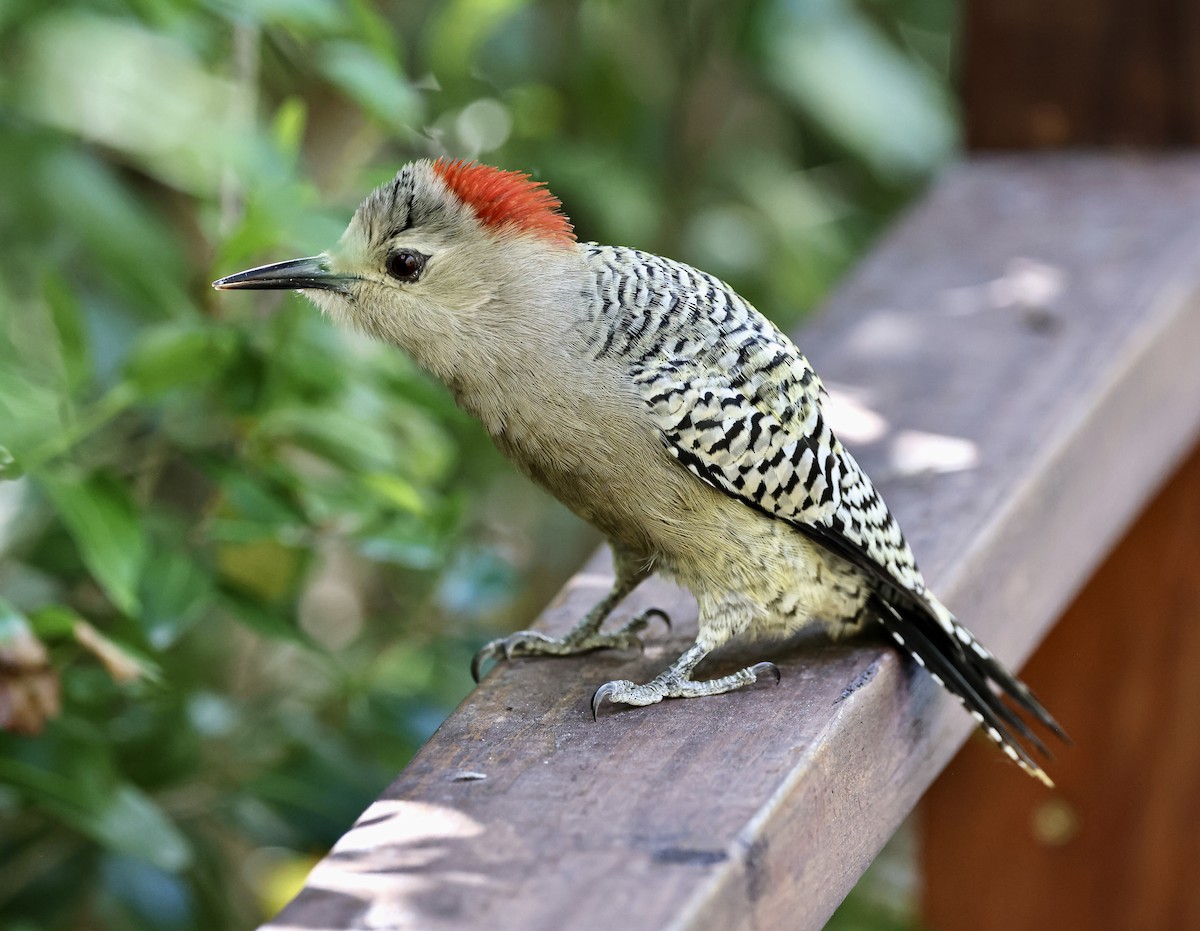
(492, 650)
(760, 669)
(522, 643)
(642, 621)
(607, 690)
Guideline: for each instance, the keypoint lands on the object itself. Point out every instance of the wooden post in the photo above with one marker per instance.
(1043, 74)
(1116, 845)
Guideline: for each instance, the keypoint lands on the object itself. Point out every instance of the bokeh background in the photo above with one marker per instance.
(245, 558)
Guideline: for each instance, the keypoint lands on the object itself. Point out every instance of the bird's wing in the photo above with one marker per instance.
(743, 413)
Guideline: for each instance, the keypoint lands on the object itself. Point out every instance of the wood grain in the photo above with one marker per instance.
(1116, 846)
(1081, 72)
(1017, 360)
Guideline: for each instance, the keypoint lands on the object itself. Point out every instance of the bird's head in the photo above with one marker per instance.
(433, 257)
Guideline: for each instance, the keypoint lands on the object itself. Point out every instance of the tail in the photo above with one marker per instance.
(965, 668)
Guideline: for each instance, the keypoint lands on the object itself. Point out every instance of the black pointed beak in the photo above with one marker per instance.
(294, 275)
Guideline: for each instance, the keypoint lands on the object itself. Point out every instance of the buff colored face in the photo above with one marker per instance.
(427, 203)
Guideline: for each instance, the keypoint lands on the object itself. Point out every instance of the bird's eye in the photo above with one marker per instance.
(405, 265)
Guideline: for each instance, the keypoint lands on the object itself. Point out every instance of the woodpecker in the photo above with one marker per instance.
(661, 407)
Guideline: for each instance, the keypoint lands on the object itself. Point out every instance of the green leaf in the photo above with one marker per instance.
(396, 491)
(176, 590)
(877, 101)
(371, 82)
(263, 620)
(67, 314)
(314, 16)
(131, 823)
(53, 621)
(71, 775)
(104, 524)
(265, 568)
(30, 415)
(462, 26)
(176, 355)
(288, 127)
(257, 499)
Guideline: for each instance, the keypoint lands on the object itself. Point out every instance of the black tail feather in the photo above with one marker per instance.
(1019, 692)
(966, 670)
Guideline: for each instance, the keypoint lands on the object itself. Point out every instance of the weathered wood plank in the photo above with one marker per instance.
(1017, 362)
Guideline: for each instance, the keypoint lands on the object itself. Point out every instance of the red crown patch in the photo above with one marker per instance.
(506, 198)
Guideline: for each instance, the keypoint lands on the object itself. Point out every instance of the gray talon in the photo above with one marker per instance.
(762, 668)
(482, 655)
(645, 616)
(605, 691)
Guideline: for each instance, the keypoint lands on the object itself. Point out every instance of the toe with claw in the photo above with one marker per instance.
(532, 643)
(607, 691)
(673, 683)
(642, 621)
(492, 651)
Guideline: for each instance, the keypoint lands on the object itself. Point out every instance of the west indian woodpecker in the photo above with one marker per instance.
(659, 406)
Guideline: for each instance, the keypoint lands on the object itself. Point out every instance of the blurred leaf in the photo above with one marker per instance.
(54, 621)
(410, 547)
(279, 875)
(70, 772)
(462, 26)
(265, 568)
(288, 126)
(131, 248)
(131, 823)
(832, 61)
(316, 16)
(176, 355)
(269, 623)
(397, 491)
(176, 592)
(29, 416)
(153, 95)
(159, 899)
(372, 82)
(372, 28)
(104, 524)
(357, 444)
(67, 312)
(259, 501)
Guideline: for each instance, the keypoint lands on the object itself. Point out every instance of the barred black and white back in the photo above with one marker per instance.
(739, 406)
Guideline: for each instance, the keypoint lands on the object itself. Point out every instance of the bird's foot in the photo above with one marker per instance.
(671, 684)
(532, 643)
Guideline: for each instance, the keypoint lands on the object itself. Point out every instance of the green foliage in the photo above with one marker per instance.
(245, 557)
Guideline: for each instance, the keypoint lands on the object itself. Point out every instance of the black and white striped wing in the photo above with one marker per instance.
(752, 428)
(743, 413)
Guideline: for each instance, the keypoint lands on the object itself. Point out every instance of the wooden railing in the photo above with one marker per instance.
(1017, 366)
